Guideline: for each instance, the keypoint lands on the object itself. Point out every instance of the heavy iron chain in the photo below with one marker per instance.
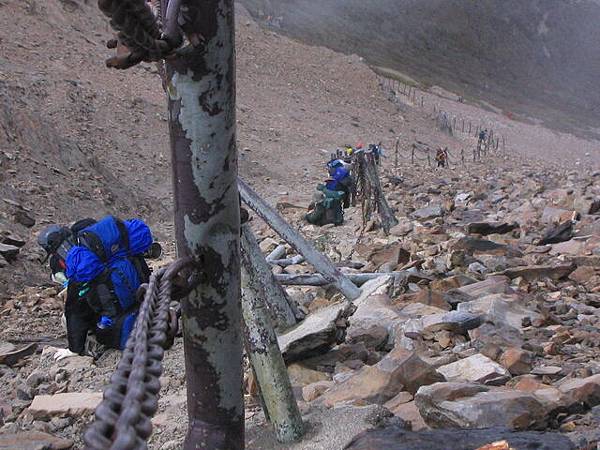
(123, 418)
(139, 30)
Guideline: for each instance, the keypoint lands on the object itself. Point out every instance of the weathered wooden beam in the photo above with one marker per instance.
(278, 253)
(298, 259)
(318, 280)
(278, 301)
(319, 261)
(267, 362)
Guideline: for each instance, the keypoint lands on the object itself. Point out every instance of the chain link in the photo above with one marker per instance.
(123, 418)
(139, 30)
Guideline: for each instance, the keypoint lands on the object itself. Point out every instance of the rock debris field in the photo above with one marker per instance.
(489, 319)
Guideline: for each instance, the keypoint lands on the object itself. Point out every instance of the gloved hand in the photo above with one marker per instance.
(63, 353)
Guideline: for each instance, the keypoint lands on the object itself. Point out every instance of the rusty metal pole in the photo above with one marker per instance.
(201, 90)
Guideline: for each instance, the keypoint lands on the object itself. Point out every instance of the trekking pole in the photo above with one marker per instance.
(201, 88)
(412, 154)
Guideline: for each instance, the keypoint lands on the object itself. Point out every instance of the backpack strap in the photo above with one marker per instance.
(124, 239)
(93, 242)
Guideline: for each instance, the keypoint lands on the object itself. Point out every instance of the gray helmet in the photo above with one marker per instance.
(55, 239)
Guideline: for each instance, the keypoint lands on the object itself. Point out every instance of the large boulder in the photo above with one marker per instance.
(583, 390)
(398, 438)
(454, 321)
(375, 315)
(484, 247)
(517, 361)
(477, 369)
(393, 254)
(301, 375)
(501, 309)
(487, 228)
(533, 273)
(428, 297)
(400, 370)
(71, 403)
(9, 252)
(317, 333)
(466, 405)
(496, 284)
(428, 212)
(33, 440)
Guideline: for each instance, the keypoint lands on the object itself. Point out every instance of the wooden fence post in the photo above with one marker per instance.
(266, 358)
(279, 303)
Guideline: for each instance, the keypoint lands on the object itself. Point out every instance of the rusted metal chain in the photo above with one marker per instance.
(123, 417)
(139, 29)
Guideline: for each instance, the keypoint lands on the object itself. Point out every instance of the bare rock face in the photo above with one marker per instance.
(477, 369)
(466, 405)
(400, 370)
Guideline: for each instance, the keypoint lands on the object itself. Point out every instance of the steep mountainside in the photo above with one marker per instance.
(535, 58)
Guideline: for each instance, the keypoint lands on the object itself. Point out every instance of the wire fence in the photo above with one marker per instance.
(452, 124)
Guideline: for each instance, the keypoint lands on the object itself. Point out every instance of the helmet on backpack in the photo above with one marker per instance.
(55, 239)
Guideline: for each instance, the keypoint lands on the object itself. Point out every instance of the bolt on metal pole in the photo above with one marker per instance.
(201, 90)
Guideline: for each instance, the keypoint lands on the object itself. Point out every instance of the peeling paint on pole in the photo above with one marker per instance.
(201, 88)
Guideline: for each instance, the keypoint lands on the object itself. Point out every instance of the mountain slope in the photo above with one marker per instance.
(536, 58)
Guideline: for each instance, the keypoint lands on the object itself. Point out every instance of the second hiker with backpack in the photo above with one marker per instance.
(102, 265)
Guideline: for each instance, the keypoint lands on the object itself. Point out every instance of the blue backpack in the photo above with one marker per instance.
(109, 261)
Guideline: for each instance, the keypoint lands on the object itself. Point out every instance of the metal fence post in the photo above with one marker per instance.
(201, 89)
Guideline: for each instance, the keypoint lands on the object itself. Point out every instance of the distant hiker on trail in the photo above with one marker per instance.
(441, 157)
(377, 151)
(482, 136)
(348, 151)
(102, 265)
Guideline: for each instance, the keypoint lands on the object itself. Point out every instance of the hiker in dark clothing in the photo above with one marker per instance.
(102, 269)
(441, 157)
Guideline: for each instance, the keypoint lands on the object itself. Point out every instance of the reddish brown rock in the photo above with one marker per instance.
(516, 361)
(400, 370)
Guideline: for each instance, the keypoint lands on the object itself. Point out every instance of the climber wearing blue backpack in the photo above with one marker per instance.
(104, 268)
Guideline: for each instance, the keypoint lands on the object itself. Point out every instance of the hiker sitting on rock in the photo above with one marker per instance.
(326, 207)
(102, 266)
